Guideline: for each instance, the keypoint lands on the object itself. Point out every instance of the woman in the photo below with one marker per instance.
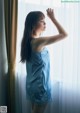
(34, 52)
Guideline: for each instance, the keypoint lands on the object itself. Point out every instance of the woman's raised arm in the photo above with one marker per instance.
(42, 41)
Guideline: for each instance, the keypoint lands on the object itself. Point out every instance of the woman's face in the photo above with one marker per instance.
(41, 25)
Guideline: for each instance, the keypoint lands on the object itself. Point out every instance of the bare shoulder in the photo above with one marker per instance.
(47, 40)
(35, 44)
(39, 43)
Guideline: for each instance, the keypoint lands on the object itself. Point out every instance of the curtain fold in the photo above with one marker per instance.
(10, 15)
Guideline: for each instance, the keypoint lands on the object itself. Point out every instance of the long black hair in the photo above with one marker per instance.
(31, 21)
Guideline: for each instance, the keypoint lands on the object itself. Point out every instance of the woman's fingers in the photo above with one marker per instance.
(50, 12)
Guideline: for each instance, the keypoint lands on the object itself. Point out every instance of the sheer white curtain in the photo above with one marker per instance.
(64, 59)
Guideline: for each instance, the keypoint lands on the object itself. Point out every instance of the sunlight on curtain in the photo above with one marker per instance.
(64, 59)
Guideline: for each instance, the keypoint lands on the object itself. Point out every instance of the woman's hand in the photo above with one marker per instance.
(50, 13)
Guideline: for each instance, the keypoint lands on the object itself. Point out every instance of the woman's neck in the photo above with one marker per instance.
(37, 35)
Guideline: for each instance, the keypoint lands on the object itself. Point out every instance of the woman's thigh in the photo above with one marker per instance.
(39, 108)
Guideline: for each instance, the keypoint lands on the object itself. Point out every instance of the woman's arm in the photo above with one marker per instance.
(50, 14)
(42, 41)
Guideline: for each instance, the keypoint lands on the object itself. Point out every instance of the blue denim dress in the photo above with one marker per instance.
(38, 88)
